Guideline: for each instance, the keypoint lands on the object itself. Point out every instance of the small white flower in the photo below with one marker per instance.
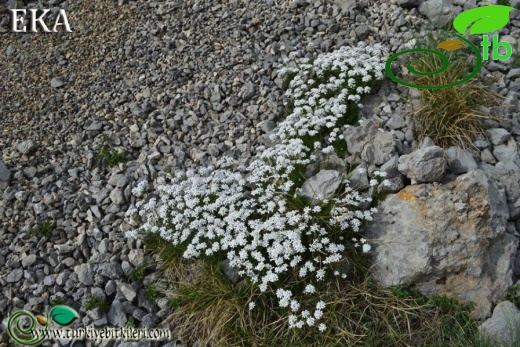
(322, 327)
(251, 305)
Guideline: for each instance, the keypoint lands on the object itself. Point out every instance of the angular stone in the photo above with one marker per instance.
(380, 149)
(450, 239)
(85, 274)
(424, 165)
(56, 83)
(498, 136)
(28, 260)
(395, 122)
(14, 276)
(359, 179)
(117, 196)
(127, 290)
(136, 257)
(460, 161)
(26, 147)
(117, 316)
(391, 167)
(439, 12)
(248, 91)
(322, 186)
(505, 153)
(502, 326)
(5, 174)
(370, 143)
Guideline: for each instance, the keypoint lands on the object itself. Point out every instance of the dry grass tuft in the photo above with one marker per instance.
(454, 115)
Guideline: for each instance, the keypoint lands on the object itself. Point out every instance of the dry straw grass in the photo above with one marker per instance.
(454, 115)
(210, 310)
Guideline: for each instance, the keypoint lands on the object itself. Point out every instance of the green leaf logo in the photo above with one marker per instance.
(63, 315)
(485, 19)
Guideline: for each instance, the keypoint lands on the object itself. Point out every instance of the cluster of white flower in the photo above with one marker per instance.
(324, 89)
(247, 217)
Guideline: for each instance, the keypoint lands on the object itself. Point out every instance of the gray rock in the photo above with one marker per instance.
(508, 176)
(393, 97)
(505, 153)
(362, 31)
(498, 136)
(393, 185)
(28, 260)
(460, 161)
(513, 73)
(395, 122)
(85, 274)
(439, 12)
(117, 196)
(359, 179)
(26, 147)
(391, 167)
(117, 316)
(56, 83)
(408, 3)
(95, 126)
(321, 186)
(450, 239)
(358, 137)
(380, 149)
(487, 157)
(5, 174)
(424, 165)
(127, 290)
(136, 257)
(502, 327)
(481, 144)
(248, 91)
(14, 276)
(149, 321)
(371, 144)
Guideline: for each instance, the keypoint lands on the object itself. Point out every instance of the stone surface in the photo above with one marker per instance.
(460, 161)
(56, 83)
(448, 239)
(116, 315)
(371, 144)
(503, 325)
(322, 185)
(439, 12)
(424, 165)
(26, 147)
(498, 136)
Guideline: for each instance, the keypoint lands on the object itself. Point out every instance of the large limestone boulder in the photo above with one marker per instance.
(446, 240)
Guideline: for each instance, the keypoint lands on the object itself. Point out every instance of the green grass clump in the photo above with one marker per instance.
(139, 272)
(43, 229)
(97, 302)
(151, 293)
(57, 301)
(108, 156)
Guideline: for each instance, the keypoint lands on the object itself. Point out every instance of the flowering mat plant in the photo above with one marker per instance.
(255, 217)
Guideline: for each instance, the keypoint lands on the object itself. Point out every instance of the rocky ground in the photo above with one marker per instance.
(173, 85)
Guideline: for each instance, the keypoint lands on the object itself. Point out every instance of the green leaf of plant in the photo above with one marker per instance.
(63, 315)
(485, 19)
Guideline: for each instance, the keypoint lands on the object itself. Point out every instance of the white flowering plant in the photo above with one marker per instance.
(284, 244)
